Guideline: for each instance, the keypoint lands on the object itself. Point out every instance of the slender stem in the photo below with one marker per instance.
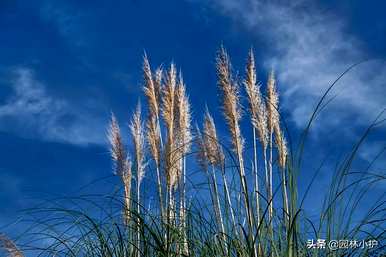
(270, 203)
(285, 198)
(270, 177)
(245, 190)
(159, 186)
(227, 194)
(255, 168)
(218, 207)
(138, 219)
(183, 206)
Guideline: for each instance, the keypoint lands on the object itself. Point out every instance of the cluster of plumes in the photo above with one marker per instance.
(9, 246)
(168, 102)
(166, 96)
(230, 95)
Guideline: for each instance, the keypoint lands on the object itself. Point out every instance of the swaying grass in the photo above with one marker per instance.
(240, 211)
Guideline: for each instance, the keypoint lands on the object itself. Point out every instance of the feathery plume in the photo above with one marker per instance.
(153, 138)
(183, 131)
(168, 113)
(116, 146)
(256, 103)
(157, 80)
(10, 247)
(272, 102)
(232, 114)
(151, 88)
(281, 147)
(230, 99)
(202, 153)
(136, 128)
(122, 164)
(215, 154)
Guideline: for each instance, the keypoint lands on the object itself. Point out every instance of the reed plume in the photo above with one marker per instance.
(183, 114)
(152, 89)
(232, 113)
(183, 139)
(230, 99)
(215, 157)
(258, 114)
(168, 113)
(117, 148)
(281, 145)
(256, 102)
(273, 118)
(258, 119)
(215, 153)
(122, 164)
(137, 133)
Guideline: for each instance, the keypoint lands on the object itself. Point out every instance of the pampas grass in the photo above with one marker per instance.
(122, 164)
(232, 113)
(258, 120)
(184, 138)
(137, 133)
(185, 220)
(152, 90)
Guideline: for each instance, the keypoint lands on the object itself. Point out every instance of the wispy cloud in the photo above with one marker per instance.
(66, 20)
(31, 112)
(309, 48)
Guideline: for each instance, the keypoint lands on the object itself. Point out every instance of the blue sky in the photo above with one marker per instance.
(65, 65)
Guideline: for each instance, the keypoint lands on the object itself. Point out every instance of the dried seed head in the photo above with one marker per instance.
(256, 103)
(149, 88)
(153, 137)
(136, 128)
(230, 98)
(202, 153)
(215, 154)
(281, 147)
(272, 102)
(157, 80)
(168, 113)
(168, 99)
(183, 130)
(8, 245)
(116, 147)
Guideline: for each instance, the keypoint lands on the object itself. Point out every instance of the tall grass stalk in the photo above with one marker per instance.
(225, 223)
(122, 164)
(152, 89)
(232, 115)
(137, 132)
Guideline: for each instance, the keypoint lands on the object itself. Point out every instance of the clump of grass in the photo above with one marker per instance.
(234, 221)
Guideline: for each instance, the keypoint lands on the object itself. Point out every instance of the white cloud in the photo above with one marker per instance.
(309, 49)
(31, 112)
